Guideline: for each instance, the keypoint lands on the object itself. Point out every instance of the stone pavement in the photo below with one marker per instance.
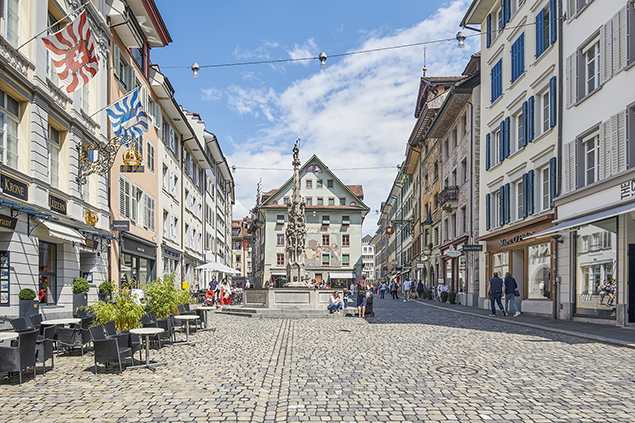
(410, 363)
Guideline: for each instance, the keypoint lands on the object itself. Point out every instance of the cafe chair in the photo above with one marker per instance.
(36, 321)
(44, 347)
(167, 335)
(70, 338)
(16, 359)
(107, 349)
(109, 327)
(20, 325)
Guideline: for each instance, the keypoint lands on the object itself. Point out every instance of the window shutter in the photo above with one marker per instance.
(501, 204)
(134, 204)
(489, 30)
(508, 208)
(504, 11)
(521, 54)
(553, 25)
(487, 152)
(122, 198)
(530, 119)
(525, 123)
(530, 190)
(116, 60)
(507, 137)
(539, 33)
(569, 166)
(171, 226)
(618, 145)
(570, 75)
(606, 52)
(525, 195)
(553, 103)
(501, 142)
(571, 9)
(604, 156)
(619, 40)
(488, 216)
(553, 179)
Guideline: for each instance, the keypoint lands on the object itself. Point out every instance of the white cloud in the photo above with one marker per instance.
(262, 52)
(358, 112)
(211, 94)
(308, 49)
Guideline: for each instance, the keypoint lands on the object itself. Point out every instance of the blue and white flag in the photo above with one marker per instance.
(127, 116)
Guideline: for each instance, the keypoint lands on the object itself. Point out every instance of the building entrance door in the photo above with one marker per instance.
(631, 282)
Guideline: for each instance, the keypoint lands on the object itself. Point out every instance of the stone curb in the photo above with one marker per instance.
(597, 338)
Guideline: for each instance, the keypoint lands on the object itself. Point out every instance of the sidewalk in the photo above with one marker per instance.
(601, 333)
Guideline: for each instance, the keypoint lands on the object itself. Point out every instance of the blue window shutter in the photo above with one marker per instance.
(521, 54)
(488, 217)
(493, 84)
(507, 137)
(553, 25)
(525, 195)
(530, 119)
(525, 120)
(553, 175)
(552, 102)
(489, 30)
(540, 31)
(487, 152)
(514, 62)
(508, 203)
(501, 142)
(501, 200)
(503, 13)
(531, 191)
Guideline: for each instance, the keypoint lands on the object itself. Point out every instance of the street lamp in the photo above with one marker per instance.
(195, 68)
(322, 58)
(460, 37)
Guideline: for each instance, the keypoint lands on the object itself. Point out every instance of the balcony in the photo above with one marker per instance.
(449, 198)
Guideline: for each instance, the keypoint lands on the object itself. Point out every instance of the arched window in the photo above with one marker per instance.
(313, 169)
(275, 203)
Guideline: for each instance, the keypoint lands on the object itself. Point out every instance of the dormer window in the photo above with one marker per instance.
(280, 220)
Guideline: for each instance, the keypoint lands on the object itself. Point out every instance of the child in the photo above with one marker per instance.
(345, 295)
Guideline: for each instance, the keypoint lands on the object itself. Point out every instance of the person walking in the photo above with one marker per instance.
(361, 288)
(393, 290)
(420, 290)
(406, 290)
(495, 288)
(382, 290)
(510, 293)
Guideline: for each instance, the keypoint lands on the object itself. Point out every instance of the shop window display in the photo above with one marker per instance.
(596, 267)
(500, 264)
(539, 272)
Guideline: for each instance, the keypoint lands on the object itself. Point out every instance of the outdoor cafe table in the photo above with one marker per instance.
(5, 336)
(187, 318)
(206, 310)
(67, 321)
(147, 333)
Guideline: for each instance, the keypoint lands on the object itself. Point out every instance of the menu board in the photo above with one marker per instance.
(4, 278)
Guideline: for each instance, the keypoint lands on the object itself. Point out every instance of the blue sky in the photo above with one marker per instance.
(355, 113)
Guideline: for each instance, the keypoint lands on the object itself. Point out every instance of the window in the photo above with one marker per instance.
(546, 28)
(54, 157)
(11, 21)
(496, 209)
(545, 112)
(346, 220)
(320, 183)
(150, 157)
(280, 259)
(329, 183)
(331, 201)
(520, 200)
(148, 212)
(346, 260)
(325, 259)
(326, 240)
(280, 240)
(124, 198)
(309, 201)
(280, 220)
(50, 67)
(169, 138)
(123, 71)
(518, 57)
(545, 189)
(9, 124)
(591, 159)
(346, 240)
(86, 98)
(48, 271)
(497, 81)
(326, 220)
(590, 68)
(285, 200)
(342, 201)
(519, 125)
(309, 184)
(320, 201)
(138, 57)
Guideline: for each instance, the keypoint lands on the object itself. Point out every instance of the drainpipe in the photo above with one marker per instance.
(108, 129)
(556, 277)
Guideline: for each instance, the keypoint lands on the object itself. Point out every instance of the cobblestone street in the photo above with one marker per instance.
(410, 363)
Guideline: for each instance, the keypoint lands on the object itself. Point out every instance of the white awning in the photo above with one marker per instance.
(218, 267)
(342, 275)
(278, 273)
(63, 232)
(574, 224)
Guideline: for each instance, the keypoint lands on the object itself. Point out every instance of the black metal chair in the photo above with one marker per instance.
(167, 324)
(16, 359)
(71, 338)
(107, 349)
(110, 328)
(36, 321)
(45, 347)
(132, 341)
(184, 310)
(21, 325)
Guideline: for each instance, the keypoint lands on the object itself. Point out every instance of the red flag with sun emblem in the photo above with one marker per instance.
(73, 53)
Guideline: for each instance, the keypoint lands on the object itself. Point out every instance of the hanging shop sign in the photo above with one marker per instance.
(517, 238)
(389, 230)
(468, 247)
(14, 188)
(120, 225)
(91, 243)
(8, 222)
(131, 169)
(58, 205)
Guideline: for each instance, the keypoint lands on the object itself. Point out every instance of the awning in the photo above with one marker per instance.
(63, 232)
(572, 225)
(218, 267)
(342, 275)
(278, 273)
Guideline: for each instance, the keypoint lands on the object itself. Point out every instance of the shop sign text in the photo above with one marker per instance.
(56, 204)
(14, 188)
(8, 222)
(514, 240)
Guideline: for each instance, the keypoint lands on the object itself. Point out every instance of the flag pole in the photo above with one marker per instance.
(108, 105)
(51, 26)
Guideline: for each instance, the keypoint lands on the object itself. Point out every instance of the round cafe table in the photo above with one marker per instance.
(146, 333)
(5, 336)
(188, 318)
(206, 310)
(67, 321)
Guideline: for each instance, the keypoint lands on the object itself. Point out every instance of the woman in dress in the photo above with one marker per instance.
(225, 293)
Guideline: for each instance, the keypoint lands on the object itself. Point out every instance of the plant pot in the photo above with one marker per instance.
(452, 300)
(29, 307)
(105, 297)
(80, 300)
(444, 299)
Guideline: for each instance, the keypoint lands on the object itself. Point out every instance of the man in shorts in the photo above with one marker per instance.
(361, 288)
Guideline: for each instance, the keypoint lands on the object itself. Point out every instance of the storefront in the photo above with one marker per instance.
(171, 261)
(137, 265)
(454, 266)
(341, 279)
(530, 260)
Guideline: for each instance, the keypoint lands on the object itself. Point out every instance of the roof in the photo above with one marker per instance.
(367, 238)
(357, 190)
(268, 194)
(477, 12)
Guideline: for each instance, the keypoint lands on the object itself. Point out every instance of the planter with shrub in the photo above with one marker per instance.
(429, 294)
(123, 309)
(452, 297)
(444, 296)
(28, 304)
(80, 293)
(106, 289)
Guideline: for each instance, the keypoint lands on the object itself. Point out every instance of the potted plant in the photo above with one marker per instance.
(28, 303)
(123, 309)
(429, 294)
(444, 296)
(452, 297)
(106, 289)
(80, 293)
(164, 295)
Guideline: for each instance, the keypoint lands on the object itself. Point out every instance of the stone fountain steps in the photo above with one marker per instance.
(273, 313)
